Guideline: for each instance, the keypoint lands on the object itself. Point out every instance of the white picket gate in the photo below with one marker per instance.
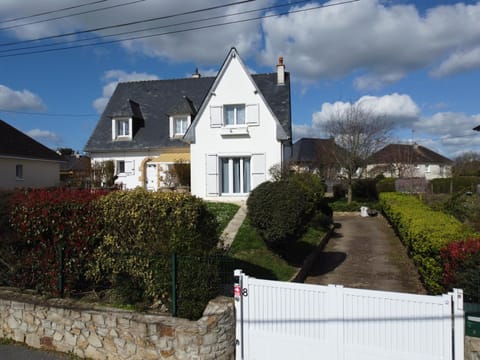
(280, 320)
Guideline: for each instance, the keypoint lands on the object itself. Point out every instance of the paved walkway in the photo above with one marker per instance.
(231, 230)
(365, 253)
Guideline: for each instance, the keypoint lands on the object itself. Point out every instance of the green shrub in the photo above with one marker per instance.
(279, 211)
(140, 231)
(365, 189)
(339, 191)
(455, 184)
(424, 232)
(386, 185)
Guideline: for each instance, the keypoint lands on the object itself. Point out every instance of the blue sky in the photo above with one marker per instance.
(417, 62)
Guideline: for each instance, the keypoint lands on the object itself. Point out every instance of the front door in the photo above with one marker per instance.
(152, 177)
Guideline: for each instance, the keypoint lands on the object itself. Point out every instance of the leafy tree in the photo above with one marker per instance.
(360, 132)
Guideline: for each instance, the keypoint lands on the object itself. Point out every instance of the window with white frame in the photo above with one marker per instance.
(125, 167)
(122, 129)
(180, 125)
(19, 172)
(235, 175)
(234, 115)
(427, 168)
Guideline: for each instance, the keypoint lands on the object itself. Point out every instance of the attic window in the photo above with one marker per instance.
(179, 125)
(122, 129)
(234, 114)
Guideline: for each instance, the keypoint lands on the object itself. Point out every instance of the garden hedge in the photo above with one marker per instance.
(139, 231)
(455, 184)
(424, 232)
(43, 222)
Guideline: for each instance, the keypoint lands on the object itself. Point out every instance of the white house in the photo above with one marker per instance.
(409, 161)
(242, 129)
(24, 162)
(231, 128)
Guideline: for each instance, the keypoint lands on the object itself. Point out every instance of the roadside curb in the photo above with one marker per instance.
(302, 273)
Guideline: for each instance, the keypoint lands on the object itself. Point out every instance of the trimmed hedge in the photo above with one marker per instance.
(43, 221)
(455, 184)
(424, 232)
(139, 231)
(386, 185)
(462, 267)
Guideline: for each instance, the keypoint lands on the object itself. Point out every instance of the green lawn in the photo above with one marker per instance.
(250, 254)
(224, 212)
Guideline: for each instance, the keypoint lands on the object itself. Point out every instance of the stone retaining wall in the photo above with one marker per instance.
(105, 333)
(472, 348)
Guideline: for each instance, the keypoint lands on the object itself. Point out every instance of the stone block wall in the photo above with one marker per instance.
(93, 332)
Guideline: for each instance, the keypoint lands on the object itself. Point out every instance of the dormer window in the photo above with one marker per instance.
(234, 115)
(179, 125)
(122, 129)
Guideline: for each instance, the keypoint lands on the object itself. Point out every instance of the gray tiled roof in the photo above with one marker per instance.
(314, 150)
(14, 143)
(408, 154)
(157, 99)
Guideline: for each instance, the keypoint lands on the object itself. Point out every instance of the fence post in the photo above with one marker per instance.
(237, 293)
(458, 324)
(61, 270)
(174, 284)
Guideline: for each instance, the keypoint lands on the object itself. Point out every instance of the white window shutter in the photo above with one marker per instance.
(252, 114)
(114, 133)
(171, 125)
(215, 116)
(212, 174)
(258, 169)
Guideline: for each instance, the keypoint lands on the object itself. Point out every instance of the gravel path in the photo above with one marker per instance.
(365, 253)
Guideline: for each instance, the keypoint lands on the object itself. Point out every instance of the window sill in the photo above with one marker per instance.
(234, 131)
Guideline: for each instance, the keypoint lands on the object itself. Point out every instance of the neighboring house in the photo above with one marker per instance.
(75, 170)
(238, 125)
(409, 161)
(24, 162)
(317, 155)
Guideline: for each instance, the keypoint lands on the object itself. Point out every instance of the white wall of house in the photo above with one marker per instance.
(217, 146)
(131, 176)
(28, 173)
(427, 171)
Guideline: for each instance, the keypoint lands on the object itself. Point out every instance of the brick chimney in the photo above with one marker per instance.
(196, 74)
(280, 72)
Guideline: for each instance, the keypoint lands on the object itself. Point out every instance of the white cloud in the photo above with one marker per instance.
(384, 42)
(44, 136)
(458, 61)
(397, 107)
(20, 100)
(112, 78)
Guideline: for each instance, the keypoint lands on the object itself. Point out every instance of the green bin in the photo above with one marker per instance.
(472, 324)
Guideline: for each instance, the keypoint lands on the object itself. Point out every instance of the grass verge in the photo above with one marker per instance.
(224, 212)
(250, 254)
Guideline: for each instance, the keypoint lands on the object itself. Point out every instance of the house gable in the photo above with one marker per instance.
(234, 78)
(237, 136)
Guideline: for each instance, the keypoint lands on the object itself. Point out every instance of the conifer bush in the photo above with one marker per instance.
(279, 211)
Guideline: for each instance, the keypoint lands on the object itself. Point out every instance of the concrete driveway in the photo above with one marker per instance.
(364, 252)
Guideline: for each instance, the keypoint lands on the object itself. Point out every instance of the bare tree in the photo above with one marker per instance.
(467, 164)
(360, 132)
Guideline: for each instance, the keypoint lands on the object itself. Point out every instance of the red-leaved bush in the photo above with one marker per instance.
(45, 221)
(461, 262)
